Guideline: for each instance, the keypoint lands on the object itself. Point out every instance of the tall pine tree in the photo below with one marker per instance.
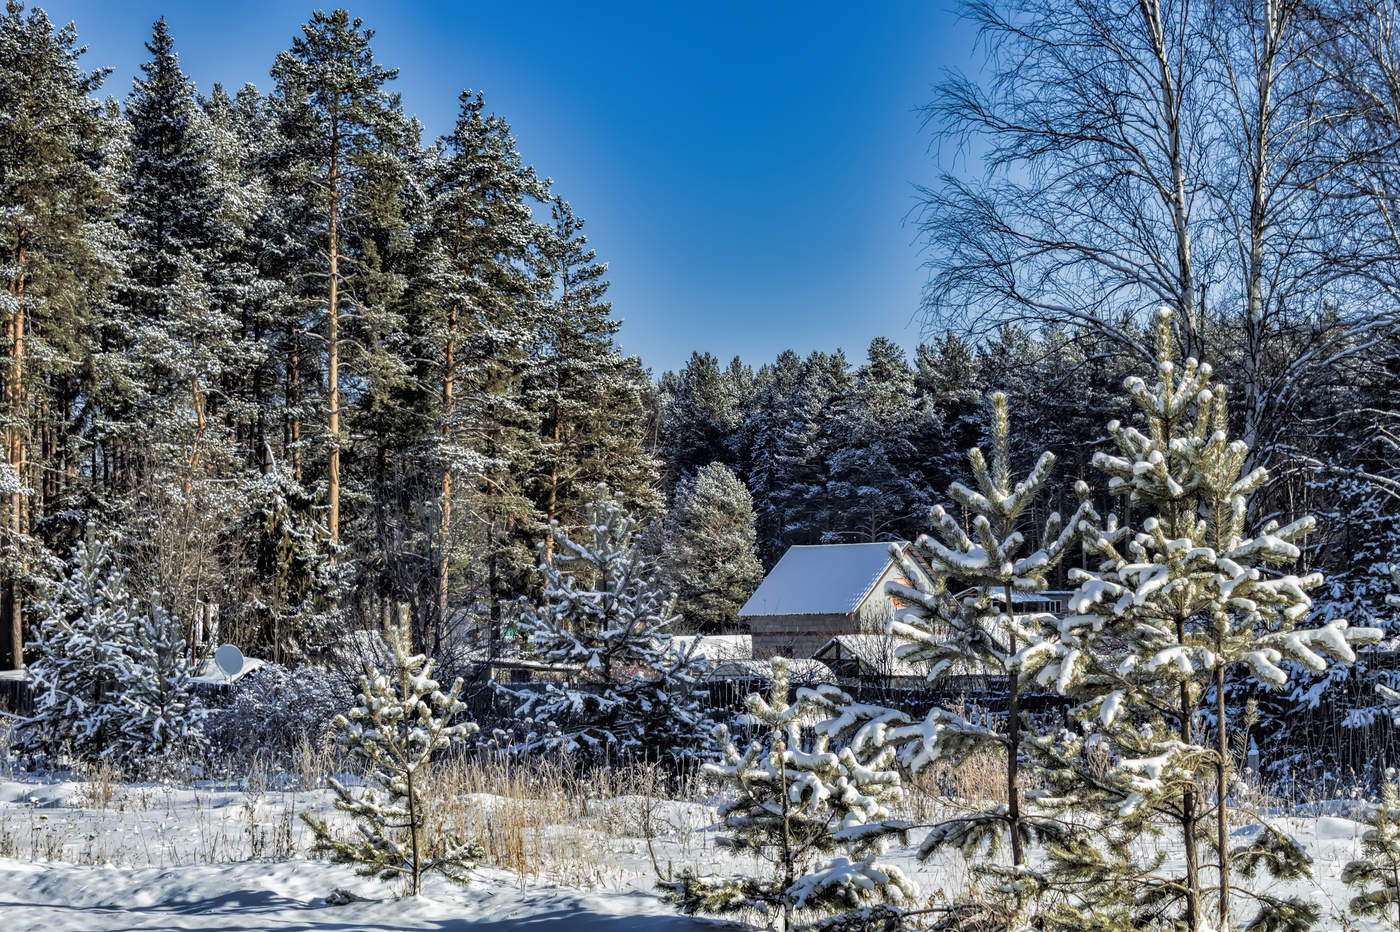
(341, 139)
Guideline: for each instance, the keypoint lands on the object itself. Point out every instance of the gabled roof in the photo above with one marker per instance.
(820, 579)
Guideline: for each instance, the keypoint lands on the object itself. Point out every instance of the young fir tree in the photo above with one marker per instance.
(795, 802)
(162, 716)
(403, 719)
(979, 631)
(1376, 874)
(110, 678)
(710, 554)
(631, 694)
(1182, 601)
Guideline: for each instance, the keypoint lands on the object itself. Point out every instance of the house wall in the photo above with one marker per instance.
(803, 635)
(795, 635)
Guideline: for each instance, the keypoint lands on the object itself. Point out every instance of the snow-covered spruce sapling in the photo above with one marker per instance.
(795, 802)
(403, 719)
(1187, 595)
(1376, 874)
(978, 631)
(631, 693)
(110, 678)
(161, 715)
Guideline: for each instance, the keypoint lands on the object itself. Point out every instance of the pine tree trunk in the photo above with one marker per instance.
(333, 353)
(552, 505)
(789, 872)
(15, 453)
(1192, 913)
(1013, 743)
(448, 409)
(291, 437)
(1222, 836)
(493, 589)
(413, 833)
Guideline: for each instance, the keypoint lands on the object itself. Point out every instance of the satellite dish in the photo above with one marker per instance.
(229, 660)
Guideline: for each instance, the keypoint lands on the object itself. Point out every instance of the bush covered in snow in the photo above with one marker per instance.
(276, 710)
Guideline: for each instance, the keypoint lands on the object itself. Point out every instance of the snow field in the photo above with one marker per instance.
(93, 855)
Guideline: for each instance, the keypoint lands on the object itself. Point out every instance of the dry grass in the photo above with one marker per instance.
(545, 818)
(975, 783)
(99, 787)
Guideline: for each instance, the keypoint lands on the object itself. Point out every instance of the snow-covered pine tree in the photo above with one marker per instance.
(875, 486)
(797, 801)
(110, 677)
(588, 395)
(292, 571)
(631, 692)
(822, 413)
(476, 315)
(239, 132)
(481, 314)
(700, 417)
(1182, 600)
(1376, 874)
(709, 549)
(979, 631)
(403, 719)
(946, 379)
(341, 139)
(771, 449)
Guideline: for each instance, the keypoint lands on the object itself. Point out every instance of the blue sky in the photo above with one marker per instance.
(745, 168)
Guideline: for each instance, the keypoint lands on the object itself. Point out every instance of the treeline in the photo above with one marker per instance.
(838, 451)
(297, 364)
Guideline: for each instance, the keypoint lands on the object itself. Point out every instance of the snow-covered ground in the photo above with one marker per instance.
(164, 857)
(292, 895)
(78, 855)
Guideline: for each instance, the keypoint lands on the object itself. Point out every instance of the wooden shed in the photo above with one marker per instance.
(817, 592)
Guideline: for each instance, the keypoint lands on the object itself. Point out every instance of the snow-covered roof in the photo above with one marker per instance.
(820, 579)
(208, 672)
(799, 670)
(874, 652)
(717, 647)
